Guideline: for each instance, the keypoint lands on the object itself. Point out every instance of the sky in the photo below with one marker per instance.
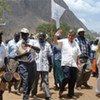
(87, 11)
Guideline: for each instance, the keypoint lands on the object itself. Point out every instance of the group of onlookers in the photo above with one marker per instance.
(70, 58)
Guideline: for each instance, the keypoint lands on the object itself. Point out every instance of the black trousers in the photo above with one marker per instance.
(70, 74)
(27, 72)
(1, 95)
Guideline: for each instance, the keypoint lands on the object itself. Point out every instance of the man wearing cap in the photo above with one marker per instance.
(11, 47)
(3, 63)
(84, 73)
(69, 61)
(25, 51)
(43, 65)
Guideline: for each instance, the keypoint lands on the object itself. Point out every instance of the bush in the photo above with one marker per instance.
(50, 29)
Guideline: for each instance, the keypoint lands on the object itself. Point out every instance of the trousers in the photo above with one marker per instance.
(70, 74)
(27, 73)
(45, 83)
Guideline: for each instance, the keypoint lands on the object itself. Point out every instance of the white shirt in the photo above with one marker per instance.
(94, 47)
(69, 52)
(3, 54)
(32, 52)
(42, 60)
(11, 47)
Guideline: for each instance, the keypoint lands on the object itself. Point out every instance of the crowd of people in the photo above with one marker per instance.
(71, 58)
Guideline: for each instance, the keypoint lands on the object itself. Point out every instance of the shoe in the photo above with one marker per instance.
(78, 88)
(72, 97)
(87, 86)
(60, 94)
(47, 98)
(98, 94)
(33, 96)
(26, 97)
(18, 93)
(56, 88)
(21, 90)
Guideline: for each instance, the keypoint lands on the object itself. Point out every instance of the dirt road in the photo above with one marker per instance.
(84, 94)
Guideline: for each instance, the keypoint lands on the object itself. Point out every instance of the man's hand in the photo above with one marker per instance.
(16, 58)
(27, 45)
(58, 33)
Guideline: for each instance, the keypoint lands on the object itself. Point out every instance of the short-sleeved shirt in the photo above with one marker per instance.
(31, 56)
(42, 57)
(69, 52)
(11, 47)
(3, 54)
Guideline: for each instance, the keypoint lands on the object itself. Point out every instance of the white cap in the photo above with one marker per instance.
(24, 30)
(80, 30)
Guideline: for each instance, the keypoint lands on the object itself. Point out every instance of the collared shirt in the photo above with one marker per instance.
(11, 47)
(32, 54)
(42, 57)
(69, 52)
(3, 54)
(84, 46)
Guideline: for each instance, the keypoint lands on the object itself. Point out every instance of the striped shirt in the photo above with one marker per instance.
(31, 53)
(84, 46)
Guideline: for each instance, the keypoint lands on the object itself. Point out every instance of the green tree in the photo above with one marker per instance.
(50, 29)
(65, 28)
(4, 7)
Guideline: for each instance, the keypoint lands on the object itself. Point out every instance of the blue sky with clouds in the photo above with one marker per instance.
(88, 11)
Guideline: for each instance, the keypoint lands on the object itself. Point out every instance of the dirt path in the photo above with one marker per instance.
(84, 94)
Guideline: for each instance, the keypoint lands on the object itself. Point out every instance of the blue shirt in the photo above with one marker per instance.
(84, 45)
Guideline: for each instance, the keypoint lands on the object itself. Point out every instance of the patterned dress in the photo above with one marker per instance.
(57, 64)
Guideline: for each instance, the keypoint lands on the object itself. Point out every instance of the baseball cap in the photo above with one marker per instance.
(24, 30)
(80, 30)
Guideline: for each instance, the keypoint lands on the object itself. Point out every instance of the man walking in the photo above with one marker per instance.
(3, 63)
(43, 65)
(70, 52)
(85, 72)
(13, 65)
(26, 50)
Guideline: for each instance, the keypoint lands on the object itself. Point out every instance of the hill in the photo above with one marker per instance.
(30, 13)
